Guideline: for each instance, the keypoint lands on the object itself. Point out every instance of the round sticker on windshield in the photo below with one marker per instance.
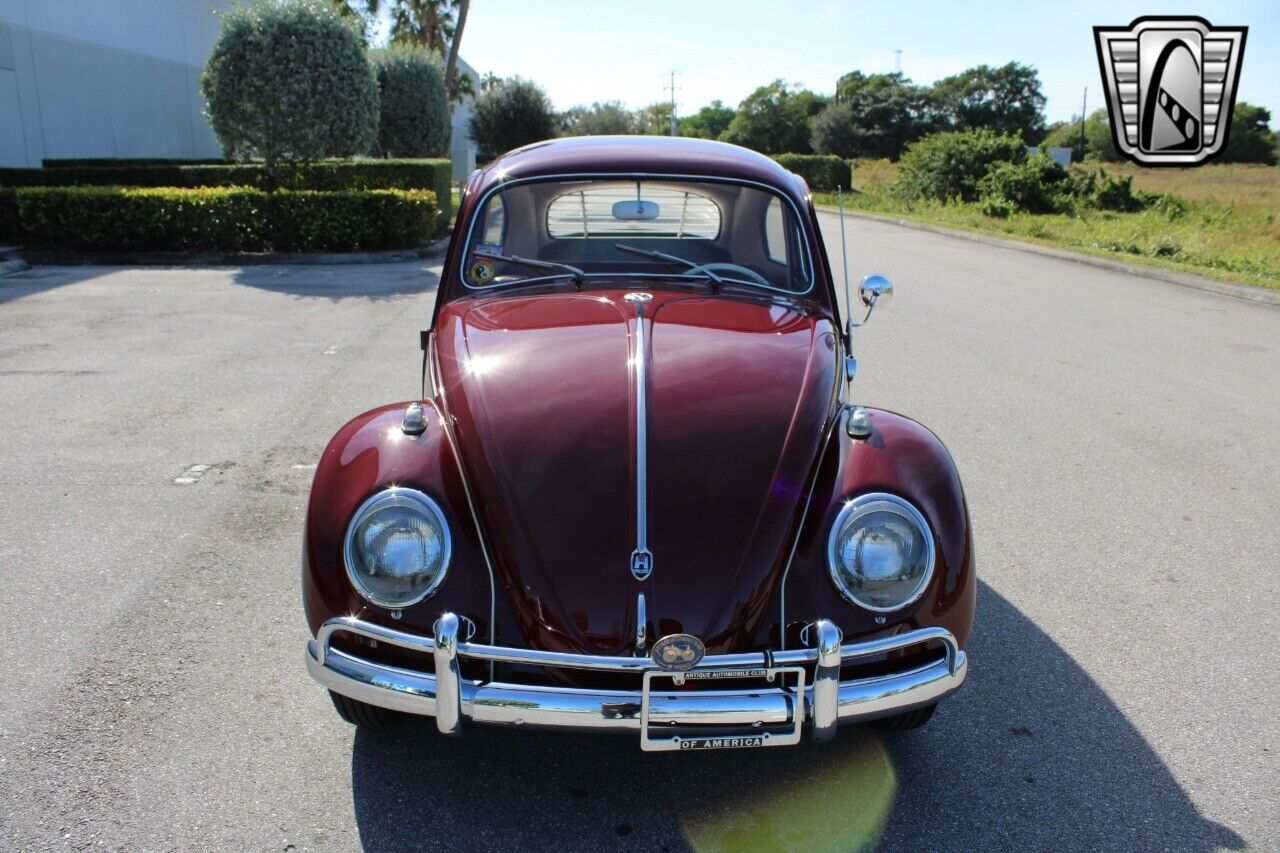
(482, 272)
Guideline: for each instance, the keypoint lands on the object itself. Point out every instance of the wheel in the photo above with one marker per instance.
(906, 721)
(359, 713)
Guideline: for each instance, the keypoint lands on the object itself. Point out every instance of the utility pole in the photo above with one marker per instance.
(1084, 110)
(897, 60)
(672, 87)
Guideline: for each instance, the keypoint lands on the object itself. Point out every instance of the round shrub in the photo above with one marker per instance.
(290, 81)
(414, 119)
(509, 114)
(950, 165)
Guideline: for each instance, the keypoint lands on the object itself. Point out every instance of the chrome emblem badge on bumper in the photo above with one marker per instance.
(678, 652)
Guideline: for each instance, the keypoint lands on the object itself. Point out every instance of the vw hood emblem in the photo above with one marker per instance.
(678, 652)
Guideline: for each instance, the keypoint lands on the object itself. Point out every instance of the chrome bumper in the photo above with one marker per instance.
(770, 715)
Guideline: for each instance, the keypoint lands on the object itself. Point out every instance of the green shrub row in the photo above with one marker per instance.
(10, 224)
(820, 171)
(324, 175)
(76, 162)
(223, 219)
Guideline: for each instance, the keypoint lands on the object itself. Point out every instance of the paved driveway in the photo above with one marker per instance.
(1118, 439)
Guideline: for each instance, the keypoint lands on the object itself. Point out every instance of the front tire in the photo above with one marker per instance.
(906, 721)
(363, 714)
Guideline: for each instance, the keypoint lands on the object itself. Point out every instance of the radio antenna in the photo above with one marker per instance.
(844, 262)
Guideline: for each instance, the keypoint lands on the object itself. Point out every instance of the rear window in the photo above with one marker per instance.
(641, 226)
(588, 212)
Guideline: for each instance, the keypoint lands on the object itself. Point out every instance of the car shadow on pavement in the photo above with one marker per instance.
(1030, 754)
(343, 281)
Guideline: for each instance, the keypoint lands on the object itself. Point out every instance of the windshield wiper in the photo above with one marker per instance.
(578, 275)
(663, 256)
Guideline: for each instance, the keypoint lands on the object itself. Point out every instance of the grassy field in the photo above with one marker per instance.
(1230, 230)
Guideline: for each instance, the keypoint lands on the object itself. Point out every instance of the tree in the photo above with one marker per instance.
(599, 119)
(1250, 140)
(872, 115)
(414, 111)
(359, 12)
(655, 119)
(774, 119)
(708, 122)
(511, 113)
(290, 81)
(434, 24)
(452, 83)
(1007, 99)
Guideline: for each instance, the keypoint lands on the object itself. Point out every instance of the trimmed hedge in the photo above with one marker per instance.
(324, 175)
(224, 218)
(75, 162)
(820, 171)
(10, 224)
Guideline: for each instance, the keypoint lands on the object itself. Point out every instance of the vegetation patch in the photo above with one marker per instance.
(1221, 220)
(820, 171)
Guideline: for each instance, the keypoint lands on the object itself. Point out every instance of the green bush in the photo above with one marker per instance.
(289, 80)
(10, 223)
(1101, 191)
(820, 171)
(951, 165)
(329, 175)
(509, 114)
(1036, 185)
(224, 218)
(414, 112)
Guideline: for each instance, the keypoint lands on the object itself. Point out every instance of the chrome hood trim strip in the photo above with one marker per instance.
(641, 557)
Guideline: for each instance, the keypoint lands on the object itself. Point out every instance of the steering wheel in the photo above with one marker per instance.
(730, 268)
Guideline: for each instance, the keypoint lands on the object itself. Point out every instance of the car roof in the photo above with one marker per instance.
(655, 155)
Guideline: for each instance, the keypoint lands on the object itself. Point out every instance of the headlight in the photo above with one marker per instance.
(880, 552)
(397, 548)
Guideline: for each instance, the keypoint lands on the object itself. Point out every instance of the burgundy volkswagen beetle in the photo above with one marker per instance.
(635, 495)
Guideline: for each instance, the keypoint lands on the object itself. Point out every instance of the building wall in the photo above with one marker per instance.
(104, 78)
(462, 148)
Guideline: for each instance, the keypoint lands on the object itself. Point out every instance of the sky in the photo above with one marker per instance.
(610, 50)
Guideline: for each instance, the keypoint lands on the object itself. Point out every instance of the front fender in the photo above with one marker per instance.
(366, 455)
(904, 458)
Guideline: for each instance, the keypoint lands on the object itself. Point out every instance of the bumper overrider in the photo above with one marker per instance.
(773, 714)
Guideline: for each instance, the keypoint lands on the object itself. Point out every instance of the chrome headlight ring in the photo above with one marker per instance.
(869, 534)
(413, 529)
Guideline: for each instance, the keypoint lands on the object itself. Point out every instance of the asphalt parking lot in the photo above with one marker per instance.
(1118, 440)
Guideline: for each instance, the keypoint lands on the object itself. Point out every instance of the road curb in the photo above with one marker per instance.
(1199, 282)
(237, 259)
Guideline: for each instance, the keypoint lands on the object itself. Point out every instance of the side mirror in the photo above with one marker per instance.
(875, 290)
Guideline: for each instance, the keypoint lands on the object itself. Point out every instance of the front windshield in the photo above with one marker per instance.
(607, 228)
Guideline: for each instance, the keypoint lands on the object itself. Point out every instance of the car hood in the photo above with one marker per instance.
(541, 392)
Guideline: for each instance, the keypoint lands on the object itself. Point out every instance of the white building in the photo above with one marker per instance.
(462, 148)
(104, 78)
